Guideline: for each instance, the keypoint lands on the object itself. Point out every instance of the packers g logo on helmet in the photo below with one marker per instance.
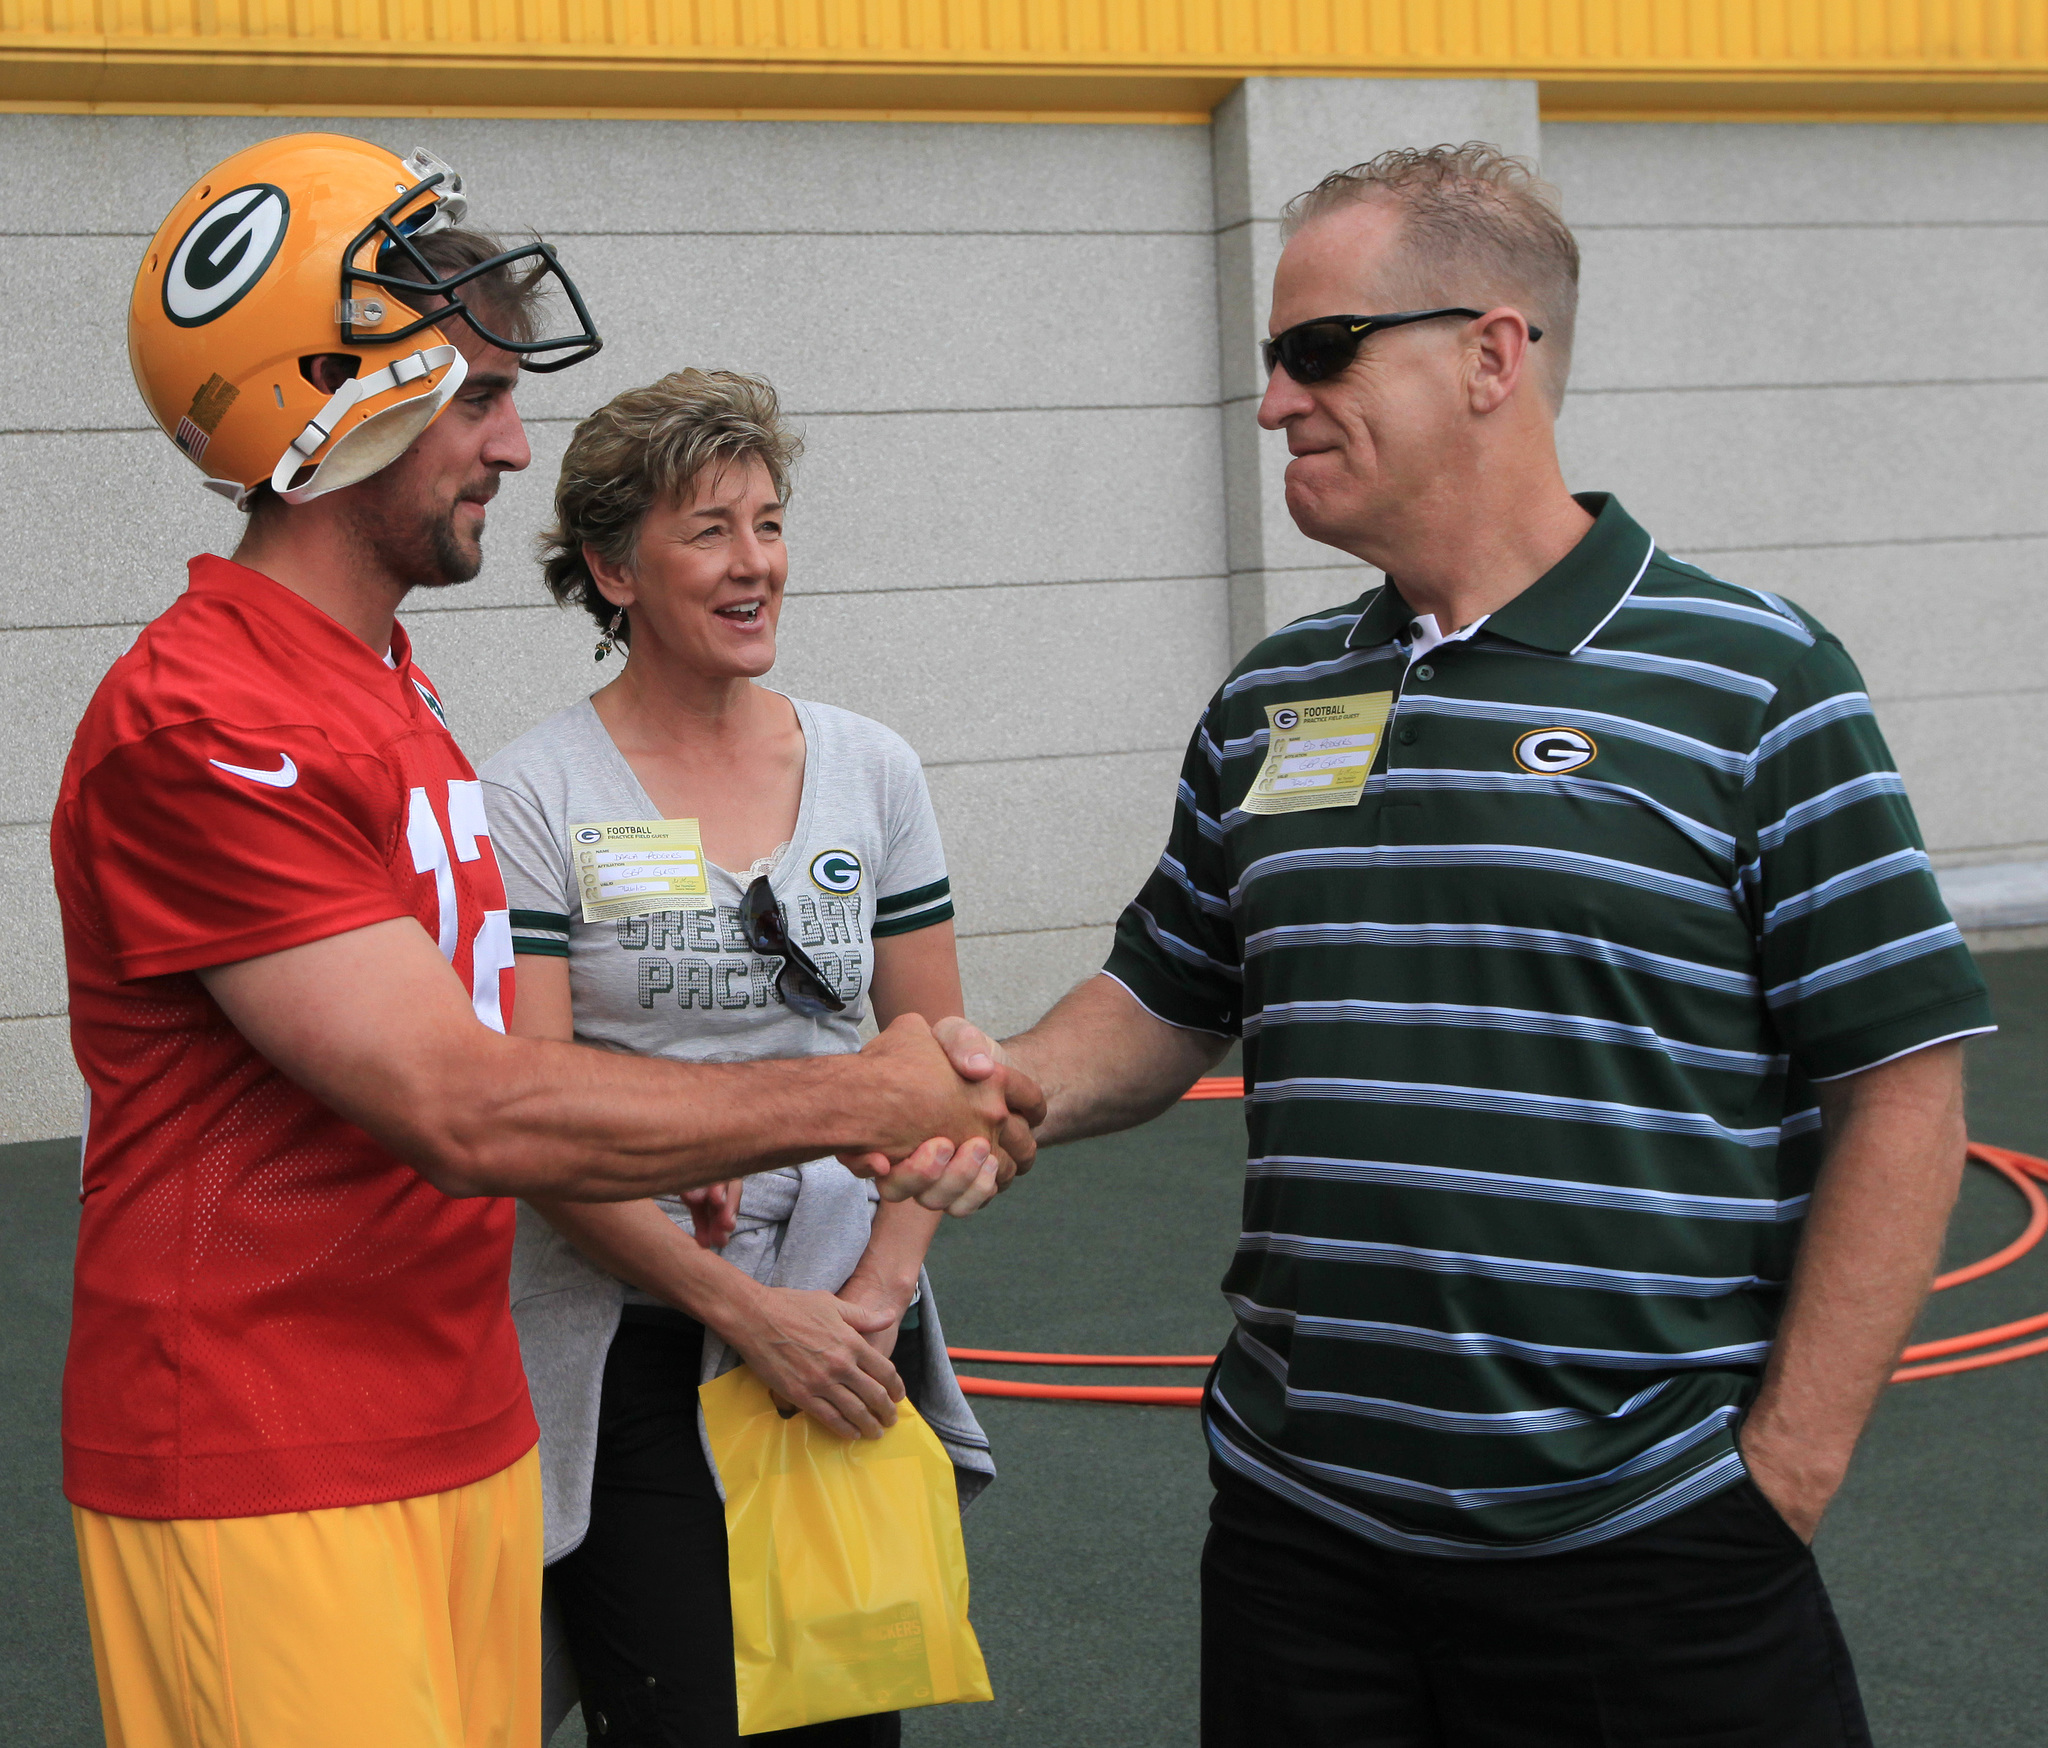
(224, 253)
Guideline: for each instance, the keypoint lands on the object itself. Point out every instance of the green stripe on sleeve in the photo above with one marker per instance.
(900, 902)
(542, 934)
(941, 912)
(546, 921)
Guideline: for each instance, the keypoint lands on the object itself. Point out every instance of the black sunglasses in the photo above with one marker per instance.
(1317, 350)
(800, 983)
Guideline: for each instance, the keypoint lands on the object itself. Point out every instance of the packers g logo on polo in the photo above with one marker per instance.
(836, 871)
(224, 253)
(1552, 751)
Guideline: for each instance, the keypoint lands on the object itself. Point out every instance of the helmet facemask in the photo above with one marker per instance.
(434, 203)
(395, 234)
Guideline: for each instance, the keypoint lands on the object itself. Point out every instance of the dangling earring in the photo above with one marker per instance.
(610, 641)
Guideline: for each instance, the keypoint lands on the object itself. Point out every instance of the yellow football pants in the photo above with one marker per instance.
(412, 1624)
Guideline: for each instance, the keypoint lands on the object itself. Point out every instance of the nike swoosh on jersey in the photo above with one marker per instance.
(282, 778)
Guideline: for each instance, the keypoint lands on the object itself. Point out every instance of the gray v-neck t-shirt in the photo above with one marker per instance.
(862, 863)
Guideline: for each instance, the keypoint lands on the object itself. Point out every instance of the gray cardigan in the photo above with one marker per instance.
(804, 1230)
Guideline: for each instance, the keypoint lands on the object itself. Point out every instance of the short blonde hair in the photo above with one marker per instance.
(650, 446)
(1478, 226)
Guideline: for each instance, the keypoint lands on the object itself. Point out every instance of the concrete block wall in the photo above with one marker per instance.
(1036, 516)
(1805, 361)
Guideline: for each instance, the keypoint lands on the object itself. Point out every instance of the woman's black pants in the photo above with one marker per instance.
(644, 1599)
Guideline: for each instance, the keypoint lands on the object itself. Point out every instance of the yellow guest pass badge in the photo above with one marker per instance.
(634, 867)
(1318, 753)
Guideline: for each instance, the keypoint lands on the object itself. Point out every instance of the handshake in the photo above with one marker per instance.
(947, 1119)
(974, 1111)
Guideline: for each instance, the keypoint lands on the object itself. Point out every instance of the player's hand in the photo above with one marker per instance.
(812, 1357)
(923, 1096)
(714, 1213)
(1005, 1104)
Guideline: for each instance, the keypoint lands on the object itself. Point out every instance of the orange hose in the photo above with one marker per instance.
(1975, 1362)
(1172, 1395)
(1214, 1086)
(997, 1355)
(2021, 1170)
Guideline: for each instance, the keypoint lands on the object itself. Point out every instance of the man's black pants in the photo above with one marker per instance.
(1710, 1629)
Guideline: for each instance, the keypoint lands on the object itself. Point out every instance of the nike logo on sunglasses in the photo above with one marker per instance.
(282, 778)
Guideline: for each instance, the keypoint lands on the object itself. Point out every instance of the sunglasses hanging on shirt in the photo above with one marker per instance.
(1317, 350)
(800, 983)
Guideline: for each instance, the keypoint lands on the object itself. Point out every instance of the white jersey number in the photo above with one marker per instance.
(491, 952)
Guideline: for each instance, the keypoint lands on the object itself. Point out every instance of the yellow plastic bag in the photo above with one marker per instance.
(849, 1578)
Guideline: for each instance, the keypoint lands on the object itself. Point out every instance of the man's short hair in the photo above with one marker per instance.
(1478, 228)
(507, 298)
(649, 447)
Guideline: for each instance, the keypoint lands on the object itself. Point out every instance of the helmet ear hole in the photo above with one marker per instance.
(327, 371)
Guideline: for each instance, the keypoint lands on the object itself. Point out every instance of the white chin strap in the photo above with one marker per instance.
(375, 443)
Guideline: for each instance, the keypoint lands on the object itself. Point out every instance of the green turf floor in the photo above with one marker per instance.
(1084, 1551)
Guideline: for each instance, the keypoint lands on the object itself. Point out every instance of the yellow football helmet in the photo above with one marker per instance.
(296, 248)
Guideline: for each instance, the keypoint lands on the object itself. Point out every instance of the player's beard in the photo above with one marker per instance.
(457, 556)
(419, 543)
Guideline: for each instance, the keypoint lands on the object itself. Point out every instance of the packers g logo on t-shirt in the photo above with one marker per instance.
(836, 871)
(224, 253)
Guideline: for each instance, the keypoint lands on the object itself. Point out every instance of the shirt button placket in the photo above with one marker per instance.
(1400, 821)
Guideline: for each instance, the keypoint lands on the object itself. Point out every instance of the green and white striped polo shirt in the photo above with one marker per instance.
(1531, 1031)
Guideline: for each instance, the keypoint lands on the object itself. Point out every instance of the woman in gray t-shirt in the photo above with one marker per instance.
(820, 892)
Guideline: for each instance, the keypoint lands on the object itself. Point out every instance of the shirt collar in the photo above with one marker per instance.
(1562, 609)
(311, 634)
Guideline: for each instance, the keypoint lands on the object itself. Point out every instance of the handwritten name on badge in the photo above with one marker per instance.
(636, 867)
(1318, 753)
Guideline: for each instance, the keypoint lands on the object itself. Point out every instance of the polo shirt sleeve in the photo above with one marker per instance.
(206, 844)
(1859, 958)
(1176, 945)
(535, 867)
(912, 890)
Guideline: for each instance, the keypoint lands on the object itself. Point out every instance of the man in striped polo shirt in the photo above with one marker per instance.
(1599, 1013)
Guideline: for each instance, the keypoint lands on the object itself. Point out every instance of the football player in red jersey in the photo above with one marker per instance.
(297, 1438)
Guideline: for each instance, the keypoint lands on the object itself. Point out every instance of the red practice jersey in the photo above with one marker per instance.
(271, 1313)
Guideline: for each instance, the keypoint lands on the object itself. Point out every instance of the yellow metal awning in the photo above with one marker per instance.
(1137, 60)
